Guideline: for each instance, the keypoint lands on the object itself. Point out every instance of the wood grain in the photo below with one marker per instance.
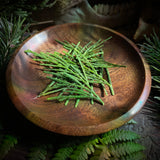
(25, 81)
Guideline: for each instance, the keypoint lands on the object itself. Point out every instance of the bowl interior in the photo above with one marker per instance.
(25, 81)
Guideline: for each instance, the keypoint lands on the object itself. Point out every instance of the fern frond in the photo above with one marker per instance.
(134, 156)
(125, 151)
(125, 148)
(84, 149)
(101, 153)
(117, 135)
(113, 144)
(38, 153)
(7, 143)
(63, 153)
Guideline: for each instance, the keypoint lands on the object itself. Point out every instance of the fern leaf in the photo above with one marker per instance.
(84, 149)
(117, 135)
(134, 156)
(63, 153)
(7, 143)
(123, 151)
(125, 148)
(38, 153)
(102, 153)
(115, 144)
(80, 153)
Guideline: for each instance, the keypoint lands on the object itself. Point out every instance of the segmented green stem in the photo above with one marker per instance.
(74, 73)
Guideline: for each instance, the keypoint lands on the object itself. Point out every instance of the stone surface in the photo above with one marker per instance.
(150, 134)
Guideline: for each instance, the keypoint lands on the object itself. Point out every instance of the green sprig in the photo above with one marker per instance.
(74, 73)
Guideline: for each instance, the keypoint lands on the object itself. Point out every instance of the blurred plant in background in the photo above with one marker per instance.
(151, 50)
(23, 8)
(11, 35)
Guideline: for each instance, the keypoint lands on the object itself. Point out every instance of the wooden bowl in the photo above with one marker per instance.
(132, 84)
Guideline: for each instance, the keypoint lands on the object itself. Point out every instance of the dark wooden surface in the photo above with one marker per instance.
(131, 84)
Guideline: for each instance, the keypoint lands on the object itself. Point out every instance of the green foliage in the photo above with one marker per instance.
(84, 149)
(63, 153)
(22, 8)
(11, 35)
(115, 144)
(117, 135)
(38, 153)
(123, 149)
(74, 74)
(119, 151)
(151, 50)
(134, 156)
(7, 142)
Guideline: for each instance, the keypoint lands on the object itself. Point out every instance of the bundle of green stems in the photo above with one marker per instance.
(75, 72)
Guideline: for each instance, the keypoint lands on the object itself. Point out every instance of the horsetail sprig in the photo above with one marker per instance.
(74, 73)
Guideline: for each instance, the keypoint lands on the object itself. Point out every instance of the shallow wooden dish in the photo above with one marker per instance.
(131, 84)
